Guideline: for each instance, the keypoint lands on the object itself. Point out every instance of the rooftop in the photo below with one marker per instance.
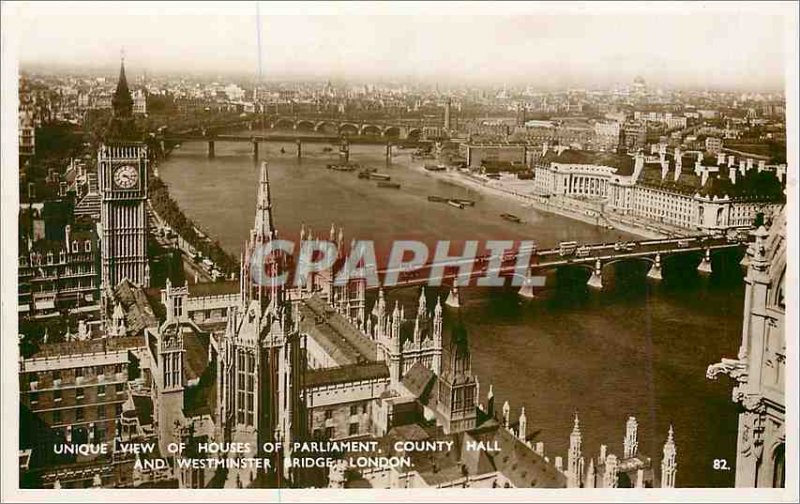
(139, 313)
(344, 342)
(214, 288)
(344, 374)
(101, 345)
(623, 163)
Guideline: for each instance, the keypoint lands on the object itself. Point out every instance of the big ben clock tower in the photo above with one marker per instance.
(122, 180)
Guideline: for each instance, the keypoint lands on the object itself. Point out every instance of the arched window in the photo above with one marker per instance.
(780, 299)
(779, 467)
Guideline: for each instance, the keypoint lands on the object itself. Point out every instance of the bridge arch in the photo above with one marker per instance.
(327, 127)
(391, 132)
(305, 125)
(414, 134)
(348, 129)
(371, 129)
(283, 123)
(648, 259)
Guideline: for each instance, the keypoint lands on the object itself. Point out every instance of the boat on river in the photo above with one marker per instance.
(342, 167)
(465, 202)
(511, 218)
(437, 199)
(389, 185)
(454, 203)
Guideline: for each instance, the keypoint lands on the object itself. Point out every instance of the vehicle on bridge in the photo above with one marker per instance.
(627, 246)
(567, 248)
(583, 251)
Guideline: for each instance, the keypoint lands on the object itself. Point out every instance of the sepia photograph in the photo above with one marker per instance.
(368, 250)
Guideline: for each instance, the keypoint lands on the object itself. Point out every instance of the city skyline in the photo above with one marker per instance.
(681, 47)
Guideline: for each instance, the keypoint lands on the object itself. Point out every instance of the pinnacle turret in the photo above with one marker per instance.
(122, 102)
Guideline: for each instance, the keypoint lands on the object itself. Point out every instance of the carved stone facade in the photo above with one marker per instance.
(759, 370)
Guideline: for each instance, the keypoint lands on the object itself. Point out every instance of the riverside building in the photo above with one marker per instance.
(688, 190)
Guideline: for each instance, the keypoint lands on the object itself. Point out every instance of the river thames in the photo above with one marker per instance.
(637, 348)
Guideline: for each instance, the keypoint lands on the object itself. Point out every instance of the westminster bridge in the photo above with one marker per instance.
(592, 257)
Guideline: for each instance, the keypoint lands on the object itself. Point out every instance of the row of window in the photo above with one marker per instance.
(353, 429)
(102, 412)
(78, 372)
(355, 409)
(36, 257)
(80, 433)
(80, 393)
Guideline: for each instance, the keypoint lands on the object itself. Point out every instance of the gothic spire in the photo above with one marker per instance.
(264, 227)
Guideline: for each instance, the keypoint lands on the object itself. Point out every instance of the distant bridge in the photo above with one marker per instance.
(255, 140)
(297, 130)
(592, 257)
(400, 129)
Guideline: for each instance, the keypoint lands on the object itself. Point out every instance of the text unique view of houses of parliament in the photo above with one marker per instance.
(520, 288)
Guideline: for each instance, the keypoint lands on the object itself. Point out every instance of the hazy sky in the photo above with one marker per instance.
(712, 45)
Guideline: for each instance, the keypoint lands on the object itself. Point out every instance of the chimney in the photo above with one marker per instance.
(545, 146)
(732, 174)
(749, 164)
(720, 158)
(603, 450)
(704, 176)
(731, 160)
(762, 165)
(742, 166)
(678, 165)
(664, 169)
(780, 172)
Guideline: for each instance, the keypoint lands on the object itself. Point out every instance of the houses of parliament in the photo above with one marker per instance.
(242, 385)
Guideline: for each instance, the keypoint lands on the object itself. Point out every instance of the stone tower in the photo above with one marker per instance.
(759, 370)
(458, 387)
(122, 178)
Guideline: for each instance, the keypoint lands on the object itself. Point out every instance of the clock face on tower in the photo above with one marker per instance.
(126, 177)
